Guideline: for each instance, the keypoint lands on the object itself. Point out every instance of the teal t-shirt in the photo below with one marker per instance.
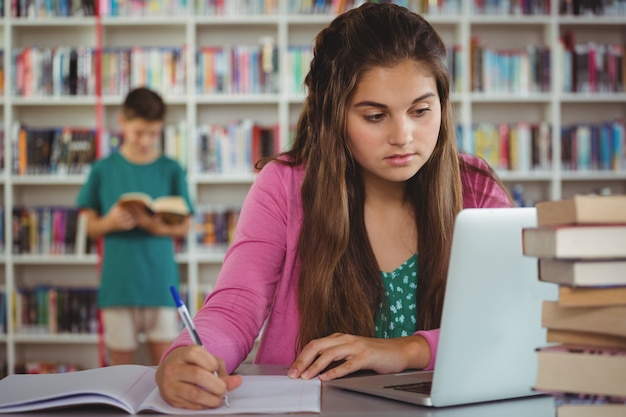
(137, 267)
(398, 317)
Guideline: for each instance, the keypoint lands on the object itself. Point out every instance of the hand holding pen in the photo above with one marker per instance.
(191, 328)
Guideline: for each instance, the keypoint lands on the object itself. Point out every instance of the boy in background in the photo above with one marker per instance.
(138, 263)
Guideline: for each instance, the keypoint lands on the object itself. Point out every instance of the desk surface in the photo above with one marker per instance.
(337, 402)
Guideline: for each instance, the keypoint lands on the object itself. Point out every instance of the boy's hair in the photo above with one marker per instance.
(143, 103)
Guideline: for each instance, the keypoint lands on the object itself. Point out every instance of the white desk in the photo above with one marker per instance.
(341, 403)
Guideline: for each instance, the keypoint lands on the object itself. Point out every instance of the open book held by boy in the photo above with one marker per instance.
(172, 208)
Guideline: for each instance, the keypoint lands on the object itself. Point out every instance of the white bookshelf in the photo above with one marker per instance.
(199, 267)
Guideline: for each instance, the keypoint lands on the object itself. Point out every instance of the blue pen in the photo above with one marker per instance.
(186, 317)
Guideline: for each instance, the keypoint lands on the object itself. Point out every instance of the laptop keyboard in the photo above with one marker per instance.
(417, 387)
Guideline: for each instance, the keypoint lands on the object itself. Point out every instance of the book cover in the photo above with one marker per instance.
(601, 320)
(265, 142)
(583, 272)
(585, 370)
(172, 209)
(575, 337)
(575, 241)
(592, 296)
(590, 406)
(594, 209)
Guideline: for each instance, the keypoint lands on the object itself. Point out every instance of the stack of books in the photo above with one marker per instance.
(580, 244)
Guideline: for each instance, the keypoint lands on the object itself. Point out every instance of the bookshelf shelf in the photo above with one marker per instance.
(40, 22)
(593, 176)
(500, 20)
(145, 21)
(511, 98)
(191, 30)
(268, 20)
(210, 257)
(60, 100)
(56, 338)
(57, 179)
(55, 259)
(527, 176)
(245, 179)
(603, 21)
(617, 98)
(238, 99)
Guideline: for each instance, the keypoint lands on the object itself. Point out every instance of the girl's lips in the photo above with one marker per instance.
(400, 160)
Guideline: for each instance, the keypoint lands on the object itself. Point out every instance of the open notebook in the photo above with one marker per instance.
(132, 388)
(491, 321)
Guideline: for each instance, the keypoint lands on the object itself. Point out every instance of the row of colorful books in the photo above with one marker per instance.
(67, 150)
(53, 230)
(235, 147)
(67, 8)
(161, 68)
(591, 67)
(59, 150)
(52, 8)
(44, 309)
(214, 225)
(587, 68)
(514, 8)
(253, 69)
(52, 71)
(3, 311)
(62, 70)
(238, 69)
(580, 245)
(524, 147)
(45, 367)
(235, 7)
(439, 7)
(39, 367)
(299, 58)
(593, 7)
(49, 230)
(1, 71)
(2, 146)
(517, 147)
(594, 147)
(517, 71)
(116, 8)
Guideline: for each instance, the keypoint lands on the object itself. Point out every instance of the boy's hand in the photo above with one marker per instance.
(120, 218)
(144, 219)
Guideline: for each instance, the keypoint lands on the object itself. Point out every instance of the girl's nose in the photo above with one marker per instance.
(402, 133)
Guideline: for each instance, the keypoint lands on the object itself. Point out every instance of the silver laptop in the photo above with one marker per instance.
(491, 321)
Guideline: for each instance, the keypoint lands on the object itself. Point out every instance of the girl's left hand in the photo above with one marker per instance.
(357, 353)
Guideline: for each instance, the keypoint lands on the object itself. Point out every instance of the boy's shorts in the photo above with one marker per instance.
(122, 325)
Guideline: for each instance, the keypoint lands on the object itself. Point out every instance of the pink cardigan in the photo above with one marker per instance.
(256, 289)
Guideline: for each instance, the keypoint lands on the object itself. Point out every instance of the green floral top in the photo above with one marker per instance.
(398, 316)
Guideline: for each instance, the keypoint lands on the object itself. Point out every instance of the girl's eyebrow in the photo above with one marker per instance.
(368, 103)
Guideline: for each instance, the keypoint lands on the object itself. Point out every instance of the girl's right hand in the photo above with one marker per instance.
(185, 378)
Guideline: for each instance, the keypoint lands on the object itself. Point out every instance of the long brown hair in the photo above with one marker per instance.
(340, 288)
